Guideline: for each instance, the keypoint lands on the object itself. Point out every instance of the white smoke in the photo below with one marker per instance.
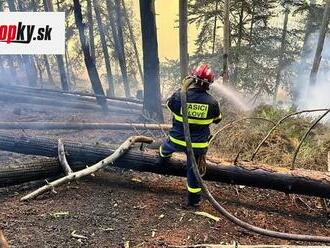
(232, 95)
(318, 95)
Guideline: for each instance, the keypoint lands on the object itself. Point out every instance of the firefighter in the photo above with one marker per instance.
(203, 110)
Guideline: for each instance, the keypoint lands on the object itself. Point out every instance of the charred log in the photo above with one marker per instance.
(82, 126)
(65, 96)
(58, 103)
(305, 182)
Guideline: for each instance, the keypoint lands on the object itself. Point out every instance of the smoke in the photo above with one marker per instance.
(235, 97)
(318, 95)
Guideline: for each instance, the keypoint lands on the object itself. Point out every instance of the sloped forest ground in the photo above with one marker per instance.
(118, 208)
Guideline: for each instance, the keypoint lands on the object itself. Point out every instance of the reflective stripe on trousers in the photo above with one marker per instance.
(194, 144)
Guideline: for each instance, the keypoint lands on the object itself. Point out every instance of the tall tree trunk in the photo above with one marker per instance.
(48, 5)
(132, 38)
(282, 51)
(67, 66)
(2, 69)
(107, 62)
(240, 26)
(320, 43)
(215, 26)
(48, 70)
(309, 28)
(121, 46)
(19, 5)
(183, 38)
(90, 65)
(34, 68)
(91, 29)
(73, 76)
(118, 50)
(34, 7)
(8, 58)
(226, 42)
(31, 72)
(234, 76)
(252, 24)
(63, 76)
(40, 70)
(152, 98)
(11, 5)
(12, 69)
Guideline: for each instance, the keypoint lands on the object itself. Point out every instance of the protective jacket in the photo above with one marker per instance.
(203, 109)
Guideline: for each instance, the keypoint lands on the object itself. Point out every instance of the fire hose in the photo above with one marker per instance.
(190, 152)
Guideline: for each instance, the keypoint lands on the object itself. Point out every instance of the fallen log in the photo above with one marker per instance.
(69, 97)
(24, 89)
(82, 126)
(299, 181)
(12, 98)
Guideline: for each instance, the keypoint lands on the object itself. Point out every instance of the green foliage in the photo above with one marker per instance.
(255, 40)
(170, 77)
(280, 146)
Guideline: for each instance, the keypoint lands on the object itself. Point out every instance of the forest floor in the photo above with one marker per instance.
(130, 209)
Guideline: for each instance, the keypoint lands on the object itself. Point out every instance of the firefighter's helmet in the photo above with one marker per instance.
(203, 73)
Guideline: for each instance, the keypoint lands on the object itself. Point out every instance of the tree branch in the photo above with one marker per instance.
(89, 170)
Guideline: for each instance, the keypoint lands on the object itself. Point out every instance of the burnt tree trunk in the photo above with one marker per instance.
(67, 65)
(105, 49)
(45, 58)
(48, 6)
(226, 42)
(152, 98)
(40, 70)
(31, 72)
(12, 69)
(215, 26)
(320, 43)
(252, 23)
(91, 29)
(2, 69)
(118, 50)
(282, 51)
(240, 26)
(311, 25)
(183, 38)
(121, 45)
(70, 69)
(48, 70)
(90, 65)
(304, 182)
(63, 75)
(132, 38)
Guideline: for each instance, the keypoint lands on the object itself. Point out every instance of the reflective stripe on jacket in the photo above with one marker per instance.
(203, 109)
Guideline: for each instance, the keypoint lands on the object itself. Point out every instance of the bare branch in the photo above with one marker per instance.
(305, 136)
(89, 170)
(62, 158)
